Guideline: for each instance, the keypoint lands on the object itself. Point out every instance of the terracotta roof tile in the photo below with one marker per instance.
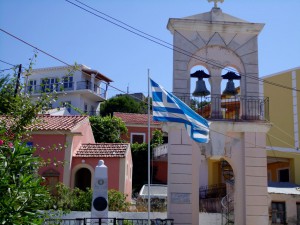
(66, 123)
(49, 123)
(135, 118)
(106, 150)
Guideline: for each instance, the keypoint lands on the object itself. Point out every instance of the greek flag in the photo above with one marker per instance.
(168, 108)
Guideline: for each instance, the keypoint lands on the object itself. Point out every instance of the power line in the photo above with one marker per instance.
(7, 69)
(48, 54)
(6, 63)
(164, 44)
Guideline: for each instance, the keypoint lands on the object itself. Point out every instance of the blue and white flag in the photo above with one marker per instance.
(168, 108)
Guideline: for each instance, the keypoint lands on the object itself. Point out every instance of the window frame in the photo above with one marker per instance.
(136, 133)
(31, 86)
(68, 82)
(47, 84)
(278, 212)
(278, 173)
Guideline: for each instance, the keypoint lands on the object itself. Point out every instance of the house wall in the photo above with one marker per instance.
(48, 141)
(283, 124)
(161, 171)
(77, 100)
(294, 163)
(290, 205)
(128, 176)
(138, 129)
(113, 165)
(86, 136)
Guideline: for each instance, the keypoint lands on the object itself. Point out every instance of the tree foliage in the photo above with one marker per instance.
(122, 103)
(108, 129)
(21, 192)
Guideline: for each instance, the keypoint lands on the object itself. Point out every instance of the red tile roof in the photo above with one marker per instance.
(106, 150)
(135, 118)
(66, 123)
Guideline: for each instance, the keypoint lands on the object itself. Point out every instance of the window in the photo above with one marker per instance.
(67, 105)
(32, 86)
(93, 112)
(137, 138)
(278, 213)
(49, 84)
(68, 83)
(283, 175)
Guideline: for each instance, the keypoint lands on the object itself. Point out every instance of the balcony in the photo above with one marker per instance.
(160, 152)
(67, 87)
(236, 108)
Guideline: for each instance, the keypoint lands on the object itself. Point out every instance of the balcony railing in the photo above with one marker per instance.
(65, 87)
(229, 108)
(161, 151)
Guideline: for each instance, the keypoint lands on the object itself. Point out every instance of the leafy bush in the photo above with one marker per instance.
(21, 193)
(68, 199)
(117, 201)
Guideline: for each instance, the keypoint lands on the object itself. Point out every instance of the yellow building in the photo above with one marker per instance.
(283, 91)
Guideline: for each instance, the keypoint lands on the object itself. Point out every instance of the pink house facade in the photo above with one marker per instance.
(137, 125)
(67, 145)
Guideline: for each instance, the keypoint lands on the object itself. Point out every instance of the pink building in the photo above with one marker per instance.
(137, 125)
(67, 142)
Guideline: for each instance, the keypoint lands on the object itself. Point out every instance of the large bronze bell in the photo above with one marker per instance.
(200, 89)
(230, 88)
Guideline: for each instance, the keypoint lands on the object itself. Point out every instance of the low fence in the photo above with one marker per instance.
(107, 221)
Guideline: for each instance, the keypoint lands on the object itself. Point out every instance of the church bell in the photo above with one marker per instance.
(230, 88)
(200, 89)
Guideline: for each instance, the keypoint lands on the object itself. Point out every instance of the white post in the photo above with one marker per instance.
(100, 195)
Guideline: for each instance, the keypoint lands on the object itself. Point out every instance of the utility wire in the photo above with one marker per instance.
(164, 44)
(7, 63)
(70, 65)
(7, 69)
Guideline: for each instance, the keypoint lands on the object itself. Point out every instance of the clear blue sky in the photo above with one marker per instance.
(74, 35)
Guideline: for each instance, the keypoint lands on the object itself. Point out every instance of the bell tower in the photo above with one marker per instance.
(218, 41)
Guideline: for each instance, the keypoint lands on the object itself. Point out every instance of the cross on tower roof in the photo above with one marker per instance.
(216, 2)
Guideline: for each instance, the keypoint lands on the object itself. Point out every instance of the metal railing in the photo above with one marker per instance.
(229, 107)
(107, 221)
(61, 87)
(160, 151)
(210, 197)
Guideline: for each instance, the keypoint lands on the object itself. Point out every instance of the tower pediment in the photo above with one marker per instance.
(214, 20)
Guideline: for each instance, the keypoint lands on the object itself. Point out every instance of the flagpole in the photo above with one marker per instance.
(149, 203)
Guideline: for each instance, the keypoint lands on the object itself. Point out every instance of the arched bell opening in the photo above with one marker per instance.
(230, 96)
(200, 90)
(83, 178)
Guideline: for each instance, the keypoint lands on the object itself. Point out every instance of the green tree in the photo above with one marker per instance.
(21, 192)
(122, 103)
(108, 129)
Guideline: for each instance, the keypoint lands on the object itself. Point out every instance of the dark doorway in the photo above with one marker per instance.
(83, 179)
